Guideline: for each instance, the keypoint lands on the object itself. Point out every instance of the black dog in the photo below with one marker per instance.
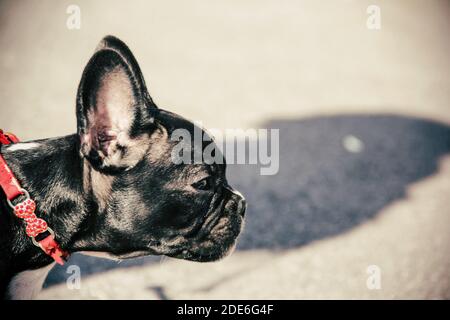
(113, 187)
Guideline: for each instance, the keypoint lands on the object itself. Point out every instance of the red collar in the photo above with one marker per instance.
(25, 209)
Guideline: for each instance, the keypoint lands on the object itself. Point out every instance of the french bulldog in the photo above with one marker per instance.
(113, 187)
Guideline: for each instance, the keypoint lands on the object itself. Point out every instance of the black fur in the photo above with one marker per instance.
(152, 205)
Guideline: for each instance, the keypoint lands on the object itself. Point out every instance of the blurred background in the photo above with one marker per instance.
(364, 120)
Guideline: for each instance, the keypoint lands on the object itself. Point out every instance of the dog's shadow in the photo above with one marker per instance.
(334, 173)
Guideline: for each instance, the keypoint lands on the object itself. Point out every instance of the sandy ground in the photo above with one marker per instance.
(311, 69)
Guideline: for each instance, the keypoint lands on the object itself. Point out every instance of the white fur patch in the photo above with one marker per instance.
(27, 284)
(22, 146)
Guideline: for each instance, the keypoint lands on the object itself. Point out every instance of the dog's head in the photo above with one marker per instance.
(145, 201)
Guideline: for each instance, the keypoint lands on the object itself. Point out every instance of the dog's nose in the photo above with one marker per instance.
(241, 203)
(242, 207)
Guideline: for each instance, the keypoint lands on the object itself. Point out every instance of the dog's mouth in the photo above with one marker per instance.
(217, 237)
(212, 240)
(219, 244)
(213, 248)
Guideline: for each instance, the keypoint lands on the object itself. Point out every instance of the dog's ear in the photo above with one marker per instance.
(115, 113)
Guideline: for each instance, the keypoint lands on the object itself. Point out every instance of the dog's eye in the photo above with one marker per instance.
(204, 184)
